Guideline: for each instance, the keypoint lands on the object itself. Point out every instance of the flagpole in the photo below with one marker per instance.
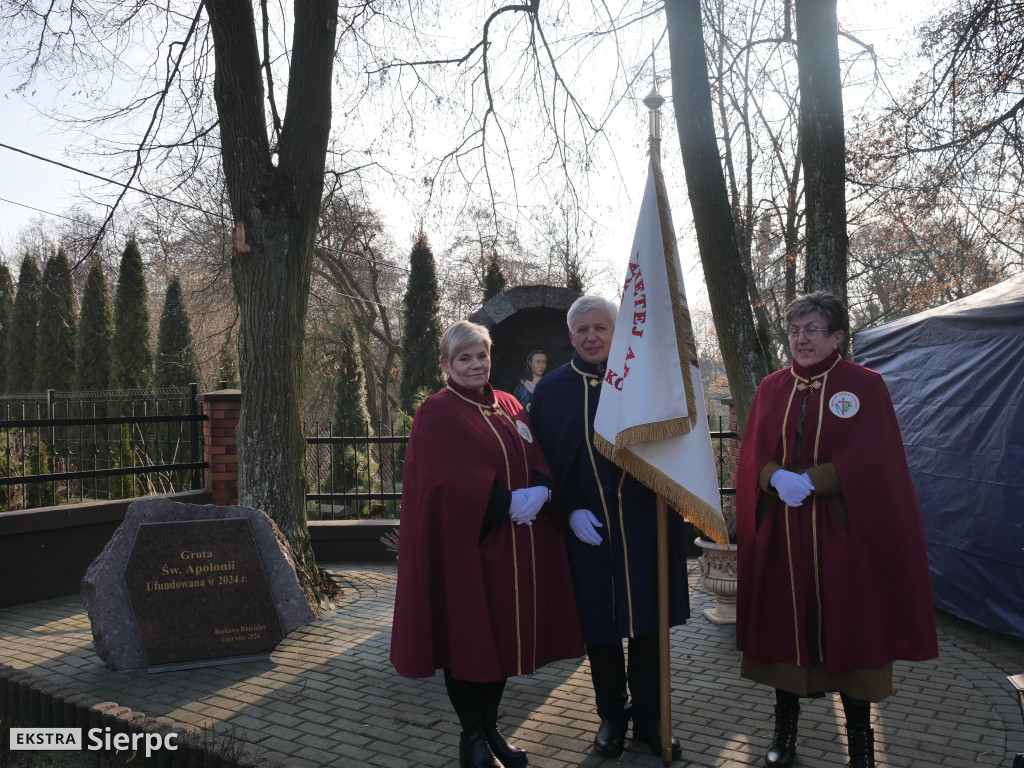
(653, 102)
(664, 658)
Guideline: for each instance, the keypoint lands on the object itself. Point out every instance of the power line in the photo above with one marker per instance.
(48, 213)
(112, 181)
(176, 202)
(369, 301)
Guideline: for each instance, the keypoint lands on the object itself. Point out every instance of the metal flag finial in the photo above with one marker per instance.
(653, 102)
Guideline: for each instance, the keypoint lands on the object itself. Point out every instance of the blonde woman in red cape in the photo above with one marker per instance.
(833, 572)
(484, 590)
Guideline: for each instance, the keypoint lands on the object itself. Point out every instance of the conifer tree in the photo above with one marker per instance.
(56, 327)
(131, 356)
(227, 367)
(175, 356)
(95, 331)
(421, 335)
(350, 395)
(6, 312)
(494, 278)
(350, 414)
(21, 350)
(92, 358)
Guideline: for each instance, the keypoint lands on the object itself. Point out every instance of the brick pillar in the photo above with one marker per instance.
(220, 445)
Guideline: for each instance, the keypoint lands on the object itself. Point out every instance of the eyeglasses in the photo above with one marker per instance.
(809, 333)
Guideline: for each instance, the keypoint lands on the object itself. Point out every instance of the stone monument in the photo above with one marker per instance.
(183, 585)
(520, 320)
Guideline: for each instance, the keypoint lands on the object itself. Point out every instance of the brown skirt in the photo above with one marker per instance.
(863, 684)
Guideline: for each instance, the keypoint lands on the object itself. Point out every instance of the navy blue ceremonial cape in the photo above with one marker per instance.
(617, 582)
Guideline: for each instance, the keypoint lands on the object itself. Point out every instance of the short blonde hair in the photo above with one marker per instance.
(462, 334)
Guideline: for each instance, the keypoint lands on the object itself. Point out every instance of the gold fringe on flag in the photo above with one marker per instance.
(705, 517)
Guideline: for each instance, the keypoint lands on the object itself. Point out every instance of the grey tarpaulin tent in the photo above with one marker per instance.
(956, 374)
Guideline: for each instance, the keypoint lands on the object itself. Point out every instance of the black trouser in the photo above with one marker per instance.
(611, 677)
(476, 704)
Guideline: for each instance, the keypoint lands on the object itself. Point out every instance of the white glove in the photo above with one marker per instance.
(585, 525)
(792, 488)
(527, 503)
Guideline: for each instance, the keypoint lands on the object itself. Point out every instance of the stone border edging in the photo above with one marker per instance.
(30, 701)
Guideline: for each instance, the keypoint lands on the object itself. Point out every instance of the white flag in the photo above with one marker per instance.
(651, 419)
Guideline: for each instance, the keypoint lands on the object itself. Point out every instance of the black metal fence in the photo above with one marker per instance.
(65, 447)
(355, 472)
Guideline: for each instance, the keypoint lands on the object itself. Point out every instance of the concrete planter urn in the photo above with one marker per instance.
(718, 567)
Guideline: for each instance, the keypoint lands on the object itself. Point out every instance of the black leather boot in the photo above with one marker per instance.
(611, 736)
(861, 741)
(783, 748)
(510, 755)
(474, 751)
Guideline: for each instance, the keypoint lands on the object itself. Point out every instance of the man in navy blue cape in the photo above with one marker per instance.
(613, 545)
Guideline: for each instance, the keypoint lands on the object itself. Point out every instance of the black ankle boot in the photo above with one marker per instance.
(611, 737)
(474, 751)
(510, 755)
(861, 741)
(783, 748)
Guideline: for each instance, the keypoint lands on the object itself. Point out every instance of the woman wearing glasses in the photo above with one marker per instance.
(833, 573)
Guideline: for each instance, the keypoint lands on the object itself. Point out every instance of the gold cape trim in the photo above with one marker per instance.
(686, 503)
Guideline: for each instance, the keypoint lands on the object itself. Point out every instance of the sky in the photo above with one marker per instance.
(31, 188)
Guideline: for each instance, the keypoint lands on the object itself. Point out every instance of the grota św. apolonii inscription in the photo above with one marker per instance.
(181, 585)
(198, 591)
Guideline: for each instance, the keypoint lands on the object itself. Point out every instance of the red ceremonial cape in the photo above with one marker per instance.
(485, 610)
(808, 587)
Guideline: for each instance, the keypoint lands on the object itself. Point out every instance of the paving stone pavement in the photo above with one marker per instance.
(329, 697)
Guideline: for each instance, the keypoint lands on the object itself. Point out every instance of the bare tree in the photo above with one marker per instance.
(569, 244)
(355, 273)
(746, 360)
(726, 226)
(824, 145)
(273, 165)
(753, 81)
(954, 140)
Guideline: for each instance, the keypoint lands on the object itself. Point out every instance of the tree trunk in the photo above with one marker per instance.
(275, 208)
(824, 148)
(746, 361)
(791, 234)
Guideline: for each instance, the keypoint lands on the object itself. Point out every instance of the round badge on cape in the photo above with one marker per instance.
(524, 430)
(844, 404)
